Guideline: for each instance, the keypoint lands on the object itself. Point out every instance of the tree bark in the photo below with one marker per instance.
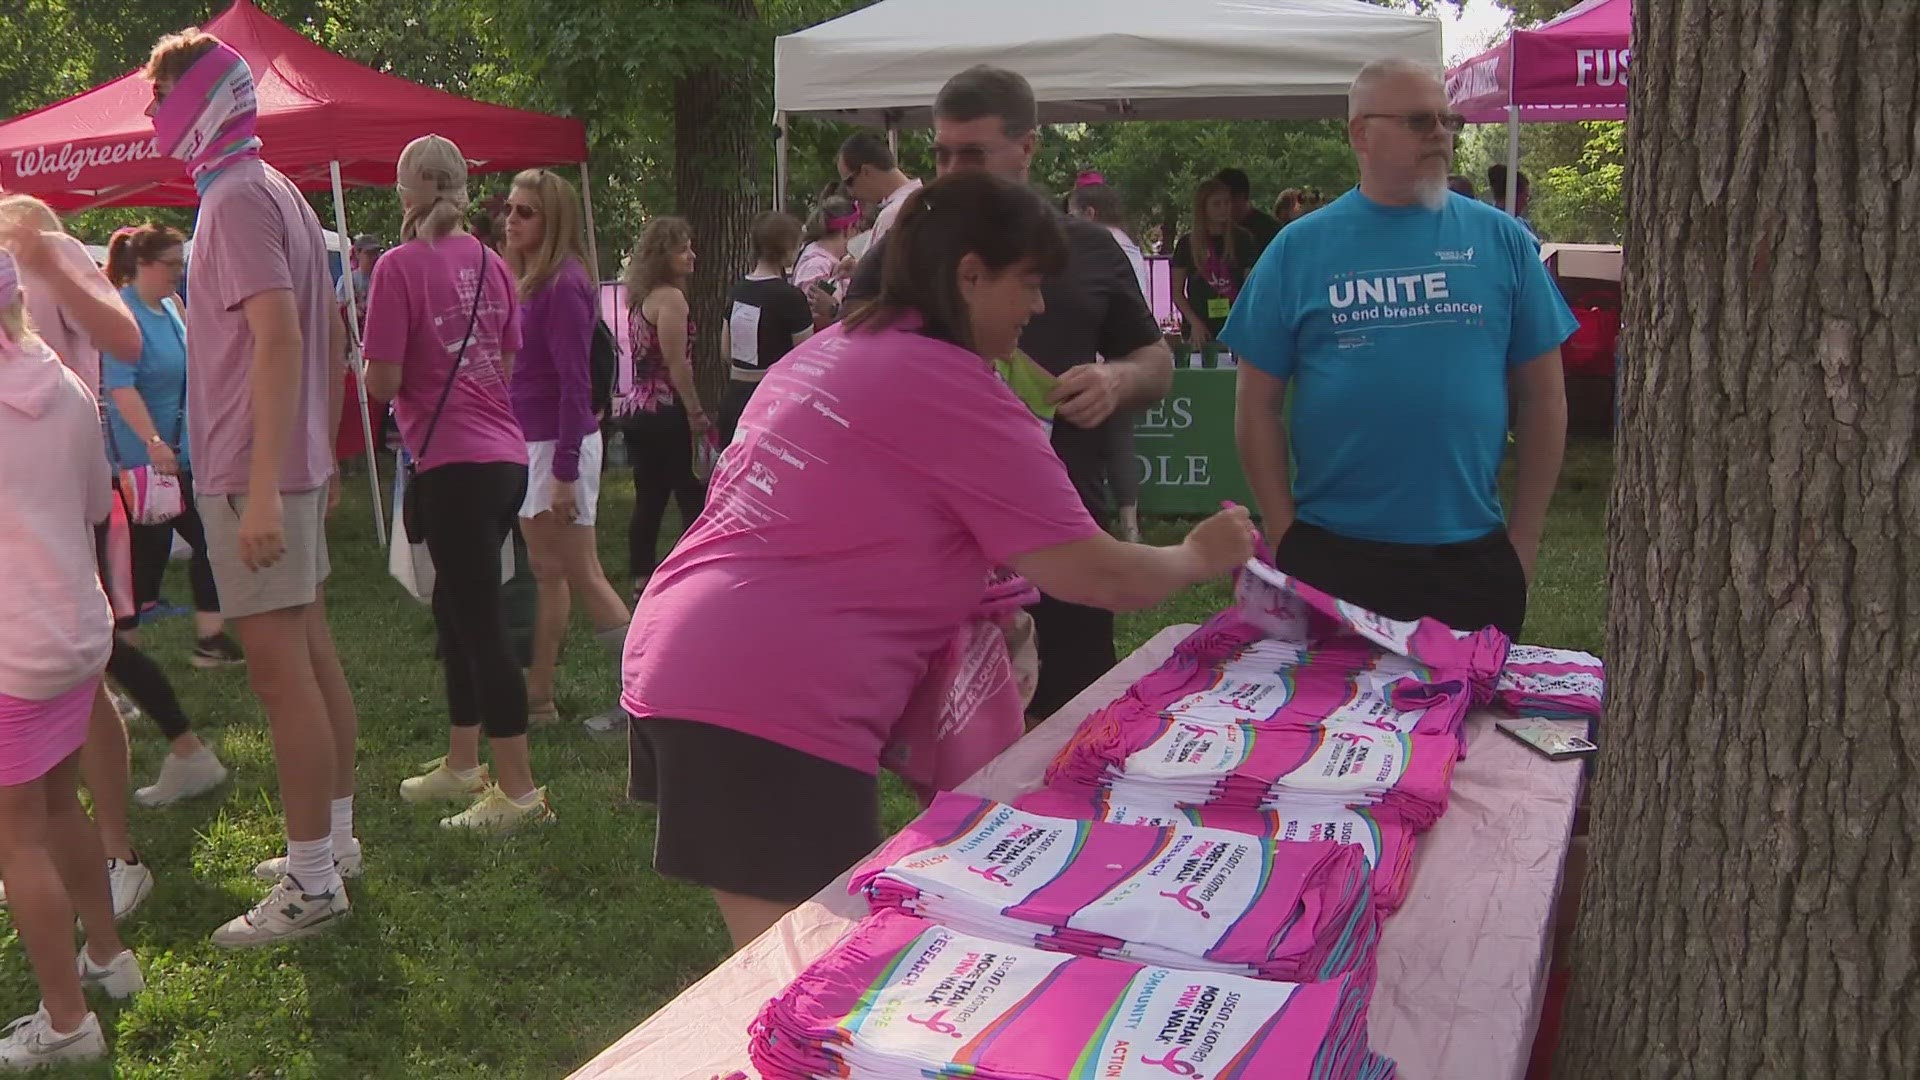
(1752, 905)
(719, 123)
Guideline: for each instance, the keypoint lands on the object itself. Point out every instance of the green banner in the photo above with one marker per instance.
(1184, 447)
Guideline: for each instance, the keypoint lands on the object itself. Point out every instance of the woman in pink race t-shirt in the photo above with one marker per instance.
(880, 473)
(56, 631)
(443, 325)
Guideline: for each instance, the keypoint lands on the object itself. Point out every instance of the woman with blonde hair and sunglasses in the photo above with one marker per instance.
(552, 390)
(443, 326)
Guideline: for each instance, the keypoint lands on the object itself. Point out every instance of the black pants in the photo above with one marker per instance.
(739, 394)
(660, 446)
(1075, 644)
(152, 549)
(1466, 586)
(469, 510)
(143, 680)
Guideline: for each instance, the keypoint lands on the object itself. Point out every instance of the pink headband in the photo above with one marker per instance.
(1088, 179)
(210, 107)
(844, 222)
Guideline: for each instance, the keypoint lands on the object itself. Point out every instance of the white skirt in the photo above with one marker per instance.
(540, 480)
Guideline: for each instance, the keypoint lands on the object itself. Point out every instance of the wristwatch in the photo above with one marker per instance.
(155, 440)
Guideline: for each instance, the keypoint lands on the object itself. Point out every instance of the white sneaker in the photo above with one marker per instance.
(612, 722)
(119, 980)
(131, 883)
(289, 913)
(31, 1043)
(183, 778)
(348, 863)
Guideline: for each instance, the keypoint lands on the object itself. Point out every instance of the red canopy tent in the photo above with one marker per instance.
(1573, 67)
(325, 121)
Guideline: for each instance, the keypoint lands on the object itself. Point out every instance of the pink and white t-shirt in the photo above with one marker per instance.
(418, 308)
(255, 234)
(877, 477)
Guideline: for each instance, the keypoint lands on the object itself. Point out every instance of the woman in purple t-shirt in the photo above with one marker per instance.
(880, 475)
(552, 392)
(439, 296)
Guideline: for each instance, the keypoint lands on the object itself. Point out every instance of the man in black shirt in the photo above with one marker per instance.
(1262, 225)
(986, 119)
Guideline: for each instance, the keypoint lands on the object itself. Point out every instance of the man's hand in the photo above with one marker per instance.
(822, 304)
(566, 501)
(263, 539)
(333, 492)
(1528, 548)
(1086, 395)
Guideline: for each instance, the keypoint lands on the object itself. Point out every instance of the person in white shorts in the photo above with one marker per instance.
(552, 391)
(264, 397)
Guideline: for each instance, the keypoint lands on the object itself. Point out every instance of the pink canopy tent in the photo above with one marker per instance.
(325, 121)
(1573, 67)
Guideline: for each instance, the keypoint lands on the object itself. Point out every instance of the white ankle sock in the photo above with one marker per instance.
(310, 862)
(343, 826)
(524, 801)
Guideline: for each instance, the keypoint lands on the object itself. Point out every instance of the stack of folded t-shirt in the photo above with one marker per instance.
(902, 998)
(1385, 841)
(1184, 896)
(1559, 684)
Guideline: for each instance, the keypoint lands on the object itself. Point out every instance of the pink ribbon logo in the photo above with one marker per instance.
(937, 1023)
(1172, 1064)
(1183, 896)
(991, 873)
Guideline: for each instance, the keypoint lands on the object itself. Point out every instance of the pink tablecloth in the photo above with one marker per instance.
(1462, 964)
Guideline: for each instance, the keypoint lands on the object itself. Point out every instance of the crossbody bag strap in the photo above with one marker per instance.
(473, 317)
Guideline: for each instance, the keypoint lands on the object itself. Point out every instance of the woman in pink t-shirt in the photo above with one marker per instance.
(439, 296)
(879, 475)
(56, 631)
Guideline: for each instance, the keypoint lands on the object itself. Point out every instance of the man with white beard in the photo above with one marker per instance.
(1403, 318)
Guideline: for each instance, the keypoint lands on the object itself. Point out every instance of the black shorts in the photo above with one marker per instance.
(1075, 645)
(1466, 586)
(747, 816)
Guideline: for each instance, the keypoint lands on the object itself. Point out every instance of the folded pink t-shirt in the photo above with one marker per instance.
(877, 477)
(418, 309)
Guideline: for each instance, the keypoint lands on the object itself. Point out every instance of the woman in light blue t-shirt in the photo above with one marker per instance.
(146, 406)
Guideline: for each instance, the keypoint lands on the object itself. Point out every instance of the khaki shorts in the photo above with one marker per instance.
(292, 582)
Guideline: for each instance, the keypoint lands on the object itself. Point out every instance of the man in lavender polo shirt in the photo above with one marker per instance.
(264, 395)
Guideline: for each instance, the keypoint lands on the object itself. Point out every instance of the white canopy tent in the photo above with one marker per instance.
(1118, 60)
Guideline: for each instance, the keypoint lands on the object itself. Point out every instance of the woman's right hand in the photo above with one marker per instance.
(566, 501)
(1220, 544)
(700, 422)
(1198, 335)
(165, 461)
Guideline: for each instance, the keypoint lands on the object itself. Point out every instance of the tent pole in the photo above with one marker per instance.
(1513, 159)
(780, 160)
(354, 358)
(593, 245)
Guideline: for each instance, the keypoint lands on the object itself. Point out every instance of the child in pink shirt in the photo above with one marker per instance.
(56, 631)
(880, 473)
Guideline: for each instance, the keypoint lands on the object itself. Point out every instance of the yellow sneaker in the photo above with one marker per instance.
(441, 784)
(495, 812)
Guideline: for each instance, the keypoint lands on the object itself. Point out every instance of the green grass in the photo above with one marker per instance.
(469, 957)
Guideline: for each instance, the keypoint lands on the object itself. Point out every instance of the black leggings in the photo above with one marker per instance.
(469, 509)
(152, 548)
(143, 680)
(660, 445)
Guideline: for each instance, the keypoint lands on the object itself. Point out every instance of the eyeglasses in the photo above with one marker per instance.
(522, 211)
(174, 263)
(1423, 123)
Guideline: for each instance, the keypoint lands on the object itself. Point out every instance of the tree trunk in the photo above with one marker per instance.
(1752, 905)
(718, 127)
